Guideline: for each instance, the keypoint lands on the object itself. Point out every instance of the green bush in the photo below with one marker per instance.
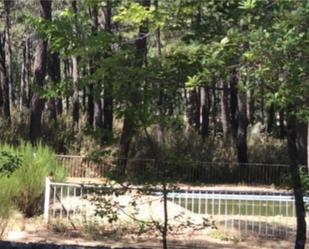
(28, 179)
(266, 149)
(9, 162)
(184, 146)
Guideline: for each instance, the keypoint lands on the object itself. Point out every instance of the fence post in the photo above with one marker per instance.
(46, 200)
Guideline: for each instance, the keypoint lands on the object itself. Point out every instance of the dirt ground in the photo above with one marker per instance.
(209, 187)
(33, 230)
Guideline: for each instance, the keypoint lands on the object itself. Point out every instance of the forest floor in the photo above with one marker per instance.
(34, 231)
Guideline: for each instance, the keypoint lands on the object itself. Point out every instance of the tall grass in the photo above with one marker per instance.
(24, 188)
(7, 191)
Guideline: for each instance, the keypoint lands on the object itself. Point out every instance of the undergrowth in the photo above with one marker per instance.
(22, 176)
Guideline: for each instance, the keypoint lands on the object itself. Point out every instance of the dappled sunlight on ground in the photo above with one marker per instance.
(33, 230)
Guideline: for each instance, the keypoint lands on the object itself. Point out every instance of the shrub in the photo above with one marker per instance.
(28, 179)
(37, 163)
(184, 145)
(9, 162)
(265, 149)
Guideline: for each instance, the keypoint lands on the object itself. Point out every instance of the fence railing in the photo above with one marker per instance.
(263, 214)
(141, 170)
(80, 166)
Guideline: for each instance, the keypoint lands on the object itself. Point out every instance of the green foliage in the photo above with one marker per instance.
(248, 4)
(184, 146)
(8, 163)
(304, 178)
(133, 13)
(262, 43)
(7, 192)
(37, 163)
(25, 185)
(260, 146)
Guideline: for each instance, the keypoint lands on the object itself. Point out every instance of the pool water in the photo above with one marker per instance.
(237, 207)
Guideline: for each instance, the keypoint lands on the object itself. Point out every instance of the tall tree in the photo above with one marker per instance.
(250, 106)
(308, 147)
(204, 111)
(108, 99)
(234, 104)
(140, 60)
(5, 61)
(8, 49)
(242, 128)
(24, 80)
(40, 63)
(1, 95)
(54, 72)
(297, 184)
(75, 100)
(98, 108)
(193, 108)
(225, 110)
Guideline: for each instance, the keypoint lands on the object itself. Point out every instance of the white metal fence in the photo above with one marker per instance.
(265, 214)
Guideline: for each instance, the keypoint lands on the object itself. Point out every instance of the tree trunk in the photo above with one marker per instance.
(108, 99)
(75, 100)
(23, 79)
(165, 211)
(1, 96)
(140, 59)
(301, 142)
(297, 185)
(37, 103)
(271, 119)
(262, 105)
(193, 108)
(29, 58)
(282, 131)
(6, 96)
(204, 112)
(67, 76)
(94, 106)
(214, 110)
(90, 106)
(96, 88)
(8, 54)
(158, 32)
(160, 128)
(250, 107)
(98, 113)
(308, 147)
(5, 64)
(234, 104)
(55, 76)
(242, 128)
(225, 111)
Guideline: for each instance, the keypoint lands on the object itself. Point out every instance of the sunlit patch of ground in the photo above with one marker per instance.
(34, 230)
(200, 186)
